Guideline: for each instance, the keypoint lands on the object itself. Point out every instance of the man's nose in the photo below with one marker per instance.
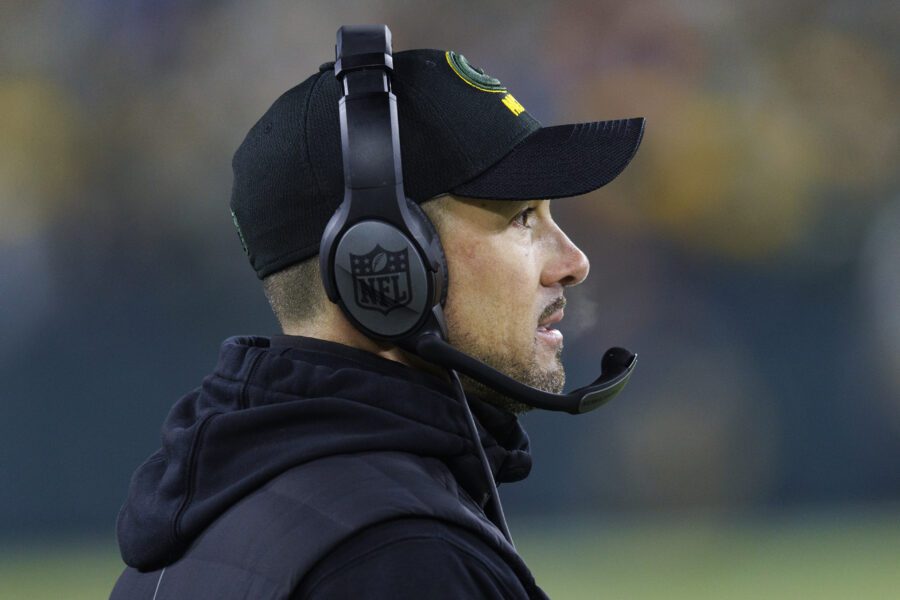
(567, 264)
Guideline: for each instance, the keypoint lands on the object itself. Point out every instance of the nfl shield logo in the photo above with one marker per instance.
(381, 279)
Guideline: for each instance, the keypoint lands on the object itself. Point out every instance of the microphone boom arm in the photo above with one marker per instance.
(616, 368)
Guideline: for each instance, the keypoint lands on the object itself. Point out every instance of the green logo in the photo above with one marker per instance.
(472, 75)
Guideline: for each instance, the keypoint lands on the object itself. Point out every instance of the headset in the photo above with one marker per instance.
(380, 256)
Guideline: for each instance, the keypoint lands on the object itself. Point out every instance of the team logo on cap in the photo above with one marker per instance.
(480, 80)
(472, 75)
(381, 279)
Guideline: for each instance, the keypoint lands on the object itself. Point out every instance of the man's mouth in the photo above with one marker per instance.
(546, 331)
(554, 318)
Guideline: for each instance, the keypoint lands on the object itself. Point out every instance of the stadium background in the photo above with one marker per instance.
(750, 254)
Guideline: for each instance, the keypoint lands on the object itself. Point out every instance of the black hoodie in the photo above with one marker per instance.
(306, 468)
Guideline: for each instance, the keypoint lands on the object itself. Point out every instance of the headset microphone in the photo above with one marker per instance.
(616, 368)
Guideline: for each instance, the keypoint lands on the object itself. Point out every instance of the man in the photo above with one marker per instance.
(322, 463)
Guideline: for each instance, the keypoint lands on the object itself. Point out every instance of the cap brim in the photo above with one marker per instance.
(560, 161)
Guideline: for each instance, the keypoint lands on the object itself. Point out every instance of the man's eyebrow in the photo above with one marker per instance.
(510, 206)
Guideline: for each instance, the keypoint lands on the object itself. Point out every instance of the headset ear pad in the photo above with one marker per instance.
(430, 229)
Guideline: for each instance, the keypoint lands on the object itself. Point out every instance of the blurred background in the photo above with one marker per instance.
(750, 254)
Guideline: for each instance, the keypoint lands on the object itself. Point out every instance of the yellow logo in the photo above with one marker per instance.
(513, 105)
(480, 80)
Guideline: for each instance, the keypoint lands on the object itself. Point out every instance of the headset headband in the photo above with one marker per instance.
(380, 259)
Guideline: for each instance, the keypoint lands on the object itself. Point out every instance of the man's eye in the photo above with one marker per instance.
(523, 218)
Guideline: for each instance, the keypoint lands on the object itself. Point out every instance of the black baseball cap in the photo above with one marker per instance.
(461, 132)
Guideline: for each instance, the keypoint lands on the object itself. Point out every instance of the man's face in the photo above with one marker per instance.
(508, 264)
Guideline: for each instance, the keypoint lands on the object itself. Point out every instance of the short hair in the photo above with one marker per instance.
(296, 294)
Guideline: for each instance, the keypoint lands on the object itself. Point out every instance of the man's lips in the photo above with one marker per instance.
(546, 332)
(554, 318)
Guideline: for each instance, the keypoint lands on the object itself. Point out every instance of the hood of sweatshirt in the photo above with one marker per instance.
(274, 404)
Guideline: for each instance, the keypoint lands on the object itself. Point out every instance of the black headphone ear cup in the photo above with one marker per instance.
(429, 226)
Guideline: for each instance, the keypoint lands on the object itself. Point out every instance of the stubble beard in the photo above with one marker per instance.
(524, 369)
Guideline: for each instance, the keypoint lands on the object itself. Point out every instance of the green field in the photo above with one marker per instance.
(835, 555)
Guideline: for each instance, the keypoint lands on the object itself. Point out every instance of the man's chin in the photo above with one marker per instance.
(547, 380)
(493, 397)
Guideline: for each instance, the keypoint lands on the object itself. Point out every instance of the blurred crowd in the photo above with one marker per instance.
(750, 254)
